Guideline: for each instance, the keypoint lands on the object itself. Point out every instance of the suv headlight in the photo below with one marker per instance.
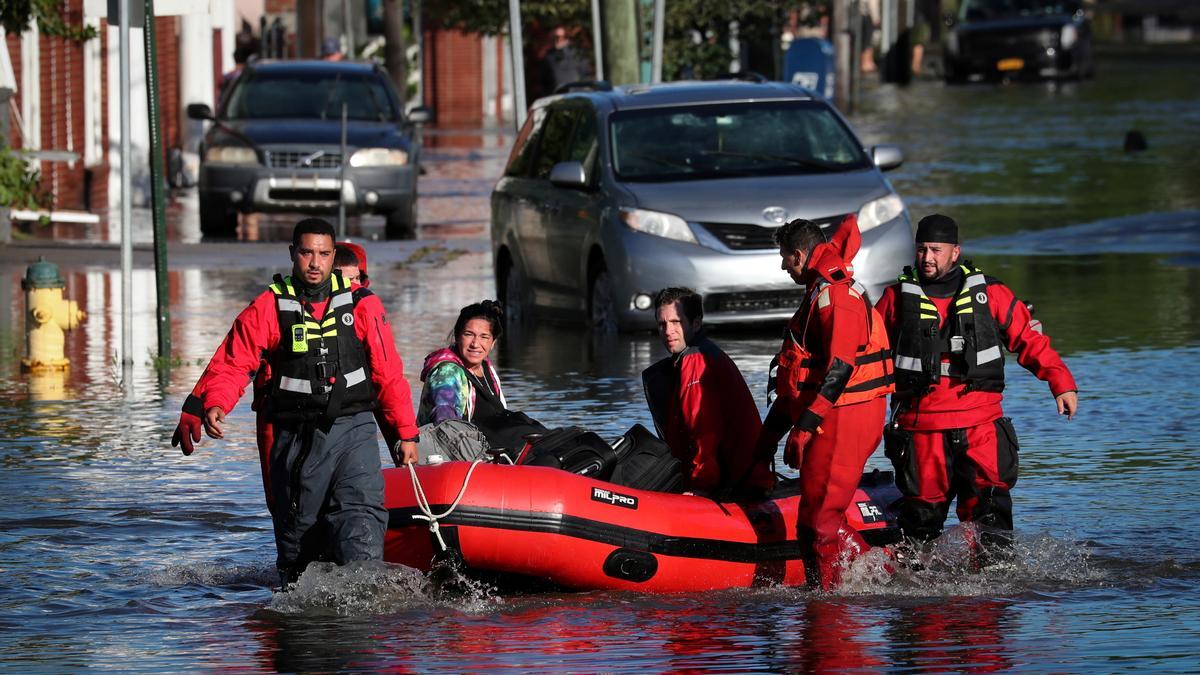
(877, 212)
(379, 157)
(1069, 35)
(658, 224)
(231, 154)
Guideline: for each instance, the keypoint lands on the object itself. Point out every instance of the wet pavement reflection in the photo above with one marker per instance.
(120, 553)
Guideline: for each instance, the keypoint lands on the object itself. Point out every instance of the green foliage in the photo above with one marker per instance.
(20, 186)
(696, 44)
(490, 17)
(50, 15)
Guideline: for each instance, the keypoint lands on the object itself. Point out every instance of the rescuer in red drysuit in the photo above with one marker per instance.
(949, 438)
(831, 376)
(701, 404)
(354, 271)
(333, 360)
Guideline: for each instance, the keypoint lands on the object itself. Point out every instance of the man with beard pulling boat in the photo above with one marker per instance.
(831, 378)
(701, 404)
(332, 359)
(948, 438)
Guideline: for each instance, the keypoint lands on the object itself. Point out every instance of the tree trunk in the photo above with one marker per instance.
(394, 58)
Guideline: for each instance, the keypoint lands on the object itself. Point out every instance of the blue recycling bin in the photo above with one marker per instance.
(809, 63)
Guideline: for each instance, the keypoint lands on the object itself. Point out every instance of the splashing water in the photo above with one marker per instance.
(376, 587)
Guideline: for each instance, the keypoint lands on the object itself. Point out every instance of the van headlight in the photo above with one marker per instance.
(230, 154)
(1069, 35)
(658, 224)
(379, 157)
(877, 212)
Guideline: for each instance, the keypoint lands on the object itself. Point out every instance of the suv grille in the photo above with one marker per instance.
(753, 301)
(294, 159)
(746, 237)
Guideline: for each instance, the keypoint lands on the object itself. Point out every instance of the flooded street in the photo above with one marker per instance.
(119, 553)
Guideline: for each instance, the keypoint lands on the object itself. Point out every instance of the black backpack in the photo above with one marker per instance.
(646, 463)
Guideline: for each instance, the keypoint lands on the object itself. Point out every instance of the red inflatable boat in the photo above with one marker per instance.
(549, 525)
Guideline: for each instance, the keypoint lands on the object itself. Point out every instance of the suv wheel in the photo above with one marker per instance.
(216, 221)
(602, 314)
(402, 223)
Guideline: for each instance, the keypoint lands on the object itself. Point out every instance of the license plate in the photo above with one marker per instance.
(1010, 64)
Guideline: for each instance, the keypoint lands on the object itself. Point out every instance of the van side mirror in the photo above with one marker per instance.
(949, 20)
(887, 157)
(420, 115)
(568, 175)
(199, 111)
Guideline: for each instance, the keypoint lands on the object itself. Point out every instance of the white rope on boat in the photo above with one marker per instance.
(423, 501)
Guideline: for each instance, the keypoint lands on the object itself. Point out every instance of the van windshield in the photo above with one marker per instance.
(730, 140)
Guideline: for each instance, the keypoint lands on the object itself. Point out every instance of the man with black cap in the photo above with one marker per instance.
(948, 438)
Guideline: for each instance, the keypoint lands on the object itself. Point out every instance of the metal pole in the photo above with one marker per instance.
(348, 29)
(656, 55)
(419, 36)
(156, 188)
(126, 208)
(515, 41)
(597, 40)
(342, 180)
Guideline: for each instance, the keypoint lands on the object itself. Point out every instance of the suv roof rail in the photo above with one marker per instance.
(584, 85)
(745, 76)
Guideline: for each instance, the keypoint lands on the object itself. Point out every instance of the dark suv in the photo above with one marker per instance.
(998, 39)
(276, 145)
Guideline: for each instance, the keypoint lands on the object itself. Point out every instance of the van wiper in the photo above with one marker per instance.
(659, 160)
(800, 161)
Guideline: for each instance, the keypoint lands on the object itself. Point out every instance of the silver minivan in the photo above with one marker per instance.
(613, 193)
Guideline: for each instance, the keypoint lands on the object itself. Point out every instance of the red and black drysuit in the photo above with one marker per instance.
(706, 414)
(831, 379)
(950, 438)
(332, 361)
(264, 430)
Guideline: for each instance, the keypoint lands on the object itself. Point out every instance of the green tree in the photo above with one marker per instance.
(17, 15)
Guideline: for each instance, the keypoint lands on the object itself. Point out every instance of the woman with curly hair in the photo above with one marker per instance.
(460, 382)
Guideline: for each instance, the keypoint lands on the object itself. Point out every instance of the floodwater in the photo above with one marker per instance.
(119, 553)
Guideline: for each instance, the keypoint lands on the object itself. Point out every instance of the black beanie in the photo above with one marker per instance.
(938, 229)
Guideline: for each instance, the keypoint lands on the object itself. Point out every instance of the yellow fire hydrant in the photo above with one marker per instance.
(47, 315)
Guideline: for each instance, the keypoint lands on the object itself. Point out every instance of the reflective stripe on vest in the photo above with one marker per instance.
(923, 341)
(324, 373)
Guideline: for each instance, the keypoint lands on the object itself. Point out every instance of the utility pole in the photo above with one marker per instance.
(516, 46)
(843, 54)
(656, 57)
(618, 20)
(393, 50)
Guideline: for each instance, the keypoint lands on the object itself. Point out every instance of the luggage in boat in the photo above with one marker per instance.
(645, 462)
(571, 449)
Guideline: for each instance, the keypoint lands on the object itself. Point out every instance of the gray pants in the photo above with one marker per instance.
(328, 493)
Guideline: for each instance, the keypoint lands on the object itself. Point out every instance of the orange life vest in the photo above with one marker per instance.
(793, 372)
